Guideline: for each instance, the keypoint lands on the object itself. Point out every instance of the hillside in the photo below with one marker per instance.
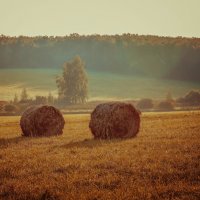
(102, 85)
(148, 56)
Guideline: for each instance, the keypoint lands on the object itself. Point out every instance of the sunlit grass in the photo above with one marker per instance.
(163, 162)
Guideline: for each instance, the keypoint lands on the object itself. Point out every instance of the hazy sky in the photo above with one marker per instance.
(62, 17)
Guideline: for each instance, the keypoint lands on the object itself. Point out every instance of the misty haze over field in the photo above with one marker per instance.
(159, 52)
(119, 67)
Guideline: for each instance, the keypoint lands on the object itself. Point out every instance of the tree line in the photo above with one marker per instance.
(163, 57)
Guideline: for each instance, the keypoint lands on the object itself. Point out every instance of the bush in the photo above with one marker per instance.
(10, 108)
(145, 104)
(40, 100)
(165, 106)
(190, 99)
(2, 104)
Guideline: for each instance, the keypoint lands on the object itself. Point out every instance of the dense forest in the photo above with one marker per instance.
(152, 56)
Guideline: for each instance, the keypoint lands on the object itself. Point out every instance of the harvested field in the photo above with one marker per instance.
(162, 162)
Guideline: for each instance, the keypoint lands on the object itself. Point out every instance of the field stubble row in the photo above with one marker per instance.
(162, 162)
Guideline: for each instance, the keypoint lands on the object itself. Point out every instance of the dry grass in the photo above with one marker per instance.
(162, 162)
(114, 120)
(42, 121)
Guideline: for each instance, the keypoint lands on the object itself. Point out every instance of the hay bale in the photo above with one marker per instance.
(114, 120)
(42, 121)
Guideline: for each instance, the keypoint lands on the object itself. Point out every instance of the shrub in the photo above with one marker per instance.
(145, 104)
(10, 108)
(192, 98)
(165, 106)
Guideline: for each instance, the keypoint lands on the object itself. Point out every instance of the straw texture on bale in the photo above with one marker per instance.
(42, 121)
(114, 120)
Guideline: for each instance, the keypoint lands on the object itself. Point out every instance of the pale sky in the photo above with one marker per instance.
(62, 17)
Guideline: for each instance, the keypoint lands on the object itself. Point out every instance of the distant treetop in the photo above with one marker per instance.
(132, 38)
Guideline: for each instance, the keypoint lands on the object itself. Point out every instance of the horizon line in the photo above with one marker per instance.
(98, 34)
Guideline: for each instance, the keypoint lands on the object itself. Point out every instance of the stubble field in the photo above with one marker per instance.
(162, 162)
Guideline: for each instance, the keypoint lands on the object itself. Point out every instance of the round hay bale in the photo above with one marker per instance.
(114, 120)
(42, 121)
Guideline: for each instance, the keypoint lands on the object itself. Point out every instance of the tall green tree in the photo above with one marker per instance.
(73, 84)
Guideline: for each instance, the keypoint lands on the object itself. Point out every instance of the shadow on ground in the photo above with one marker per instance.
(4, 142)
(86, 143)
(89, 143)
